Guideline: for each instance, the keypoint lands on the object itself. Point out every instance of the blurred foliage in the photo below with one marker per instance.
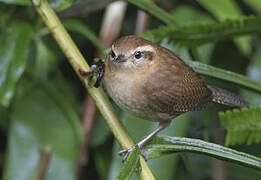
(242, 126)
(161, 145)
(39, 114)
(225, 9)
(16, 39)
(203, 32)
(42, 100)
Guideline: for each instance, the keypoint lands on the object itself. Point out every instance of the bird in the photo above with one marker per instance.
(153, 83)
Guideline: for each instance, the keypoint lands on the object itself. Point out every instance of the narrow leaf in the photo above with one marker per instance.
(204, 32)
(129, 166)
(243, 126)
(154, 10)
(161, 145)
(14, 47)
(79, 27)
(218, 73)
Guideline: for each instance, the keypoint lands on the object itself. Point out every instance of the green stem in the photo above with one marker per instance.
(78, 63)
(165, 145)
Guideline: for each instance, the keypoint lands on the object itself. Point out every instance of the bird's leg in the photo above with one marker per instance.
(140, 144)
(96, 68)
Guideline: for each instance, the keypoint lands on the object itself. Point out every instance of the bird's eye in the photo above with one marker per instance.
(112, 54)
(137, 55)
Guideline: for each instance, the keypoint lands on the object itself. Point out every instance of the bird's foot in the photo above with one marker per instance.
(126, 152)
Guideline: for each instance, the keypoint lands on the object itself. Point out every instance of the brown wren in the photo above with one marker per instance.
(153, 83)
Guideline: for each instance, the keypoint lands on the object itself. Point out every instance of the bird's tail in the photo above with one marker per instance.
(225, 97)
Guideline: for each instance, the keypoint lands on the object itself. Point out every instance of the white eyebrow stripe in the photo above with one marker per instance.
(144, 48)
(112, 47)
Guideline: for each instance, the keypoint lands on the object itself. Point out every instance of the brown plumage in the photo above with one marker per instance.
(153, 83)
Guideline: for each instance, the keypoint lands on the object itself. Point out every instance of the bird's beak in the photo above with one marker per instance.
(120, 59)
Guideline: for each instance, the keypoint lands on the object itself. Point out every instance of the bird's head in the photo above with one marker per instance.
(131, 53)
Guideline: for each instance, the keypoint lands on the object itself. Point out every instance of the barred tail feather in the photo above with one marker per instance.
(225, 97)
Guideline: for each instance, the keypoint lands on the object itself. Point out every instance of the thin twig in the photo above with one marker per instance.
(43, 164)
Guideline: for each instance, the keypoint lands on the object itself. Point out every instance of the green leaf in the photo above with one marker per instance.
(204, 32)
(161, 145)
(154, 10)
(243, 126)
(42, 118)
(79, 27)
(100, 132)
(102, 158)
(17, 2)
(45, 60)
(185, 15)
(4, 121)
(254, 4)
(15, 40)
(224, 9)
(218, 73)
(116, 162)
(130, 166)
(58, 5)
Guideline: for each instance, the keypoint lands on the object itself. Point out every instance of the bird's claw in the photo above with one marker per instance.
(126, 153)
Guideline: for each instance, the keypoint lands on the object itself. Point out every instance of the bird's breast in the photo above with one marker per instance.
(127, 91)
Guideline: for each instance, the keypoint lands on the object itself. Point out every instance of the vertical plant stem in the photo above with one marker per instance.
(154, 10)
(78, 63)
(112, 22)
(43, 164)
(88, 124)
(113, 15)
(142, 21)
(219, 168)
